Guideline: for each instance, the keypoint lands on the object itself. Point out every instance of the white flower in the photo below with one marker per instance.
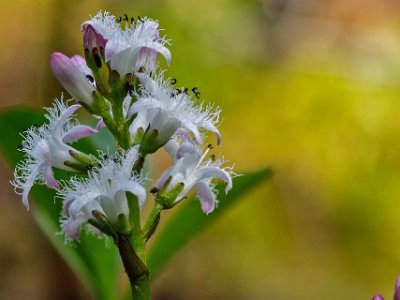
(46, 147)
(131, 48)
(75, 76)
(159, 107)
(104, 191)
(195, 171)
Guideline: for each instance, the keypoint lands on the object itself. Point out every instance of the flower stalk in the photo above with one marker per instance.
(118, 82)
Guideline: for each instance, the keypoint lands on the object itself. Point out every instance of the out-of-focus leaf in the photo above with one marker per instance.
(95, 263)
(190, 220)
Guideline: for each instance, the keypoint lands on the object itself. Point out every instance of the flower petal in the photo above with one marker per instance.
(206, 196)
(49, 178)
(124, 62)
(214, 172)
(72, 227)
(64, 115)
(28, 184)
(78, 132)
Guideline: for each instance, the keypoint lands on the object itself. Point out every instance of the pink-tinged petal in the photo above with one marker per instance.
(397, 289)
(183, 134)
(193, 129)
(378, 297)
(147, 59)
(72, 227)
(78, 132)
(159, 48)
(100, 125)
(206, 196)
(186, 148)
(68, 72)
(49, 178)
(92, 39)
(214, 172)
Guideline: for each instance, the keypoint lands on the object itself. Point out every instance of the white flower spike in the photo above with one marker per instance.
(159, 107)
(130, 49)
(46, 147)
(104, 191)
(193, 170)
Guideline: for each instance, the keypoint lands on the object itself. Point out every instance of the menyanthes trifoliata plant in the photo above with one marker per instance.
(118, 81)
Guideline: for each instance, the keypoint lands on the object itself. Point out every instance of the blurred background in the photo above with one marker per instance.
(310, 88)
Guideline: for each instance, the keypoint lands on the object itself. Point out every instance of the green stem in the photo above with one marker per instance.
(136, 270)
(139, 284)
(152, 221)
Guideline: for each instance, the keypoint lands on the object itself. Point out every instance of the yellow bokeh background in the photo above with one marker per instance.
(309, 88)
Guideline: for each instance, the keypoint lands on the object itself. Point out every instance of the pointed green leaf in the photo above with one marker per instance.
(190, 220)
(96, 264)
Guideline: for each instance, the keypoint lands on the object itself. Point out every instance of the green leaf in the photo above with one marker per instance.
(190, 220)
(96, 264)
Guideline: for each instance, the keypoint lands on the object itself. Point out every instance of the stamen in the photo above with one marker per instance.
(90, 78)
(97, 60)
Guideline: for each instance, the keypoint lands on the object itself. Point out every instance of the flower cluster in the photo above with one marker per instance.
(119, 82)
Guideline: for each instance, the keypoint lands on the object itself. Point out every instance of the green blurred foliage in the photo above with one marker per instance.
(310, 88)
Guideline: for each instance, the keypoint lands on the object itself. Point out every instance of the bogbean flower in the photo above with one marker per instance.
(104, 193)
(192, 169)
(74, 75)
(161, 111)
(130, 49)
(47, 146)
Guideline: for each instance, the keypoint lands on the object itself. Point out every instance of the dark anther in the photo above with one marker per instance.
(212, 156)
(89, 167)
(154, 190)
(126, 18)
(185, 90)
(119, 20)
(20, 147)
(97, 60)
(90, 78)
(105, 156)
(116, 160)
(196, 92)
(132, 20)
(178, 91)
(140, 19)
(210, 146)
(173, 81)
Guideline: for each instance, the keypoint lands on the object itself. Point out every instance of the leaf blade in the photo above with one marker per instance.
(174, 236)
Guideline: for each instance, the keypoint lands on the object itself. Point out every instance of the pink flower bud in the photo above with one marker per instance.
(75, 77)
(93, 40)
